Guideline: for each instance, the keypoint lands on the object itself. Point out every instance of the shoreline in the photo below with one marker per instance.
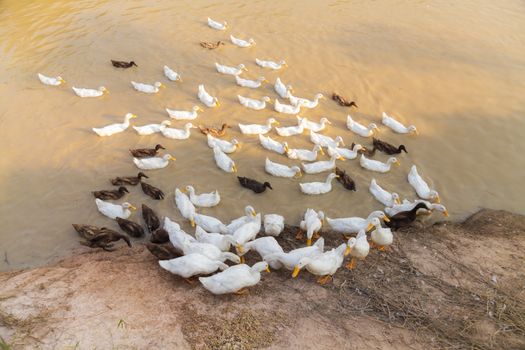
(447, 284)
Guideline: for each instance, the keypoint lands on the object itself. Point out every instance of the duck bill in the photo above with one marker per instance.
(398, 201)
(386, 219)
(173, 158)
(254, 214)
(437, 200)
(267, 269)
(370, 227)
(192, 222)
(240, 249)
(234, 168)
(132, 207)
(298, 175)
(445, 213)
(348, 250)
(398, 163)
(321, 151)
(296, 271)
(308, 242)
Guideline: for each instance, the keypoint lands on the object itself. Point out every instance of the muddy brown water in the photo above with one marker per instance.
(455, 70)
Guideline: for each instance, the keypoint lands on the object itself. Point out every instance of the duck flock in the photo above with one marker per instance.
(205, 252)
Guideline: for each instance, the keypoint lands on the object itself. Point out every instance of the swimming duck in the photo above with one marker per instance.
(221, 241)
(206, 98)
(128, 180)
(387, 148)
(150, 129)
(235, 278)
(131, 228)
(407, 206)
(113, 211)
(208, 250)
(273, 224)
(111, 194)
(287, 109)
(83, 92)
(376, 165)
(177, 236)
(325, 141)
(397, 126)
(123, 64)
(345, 152)
(230, 70)
(192, 264)
(405, 218)
(225, 146)
(360, 129)
(253, 84)
(86, 231)
(291, 259)
(381, 237)
(271, 64)
(171, 74)
(421, 187)
(304, 154)
(388, 199)
(147, 88)
(254, 185)
(264, 246)
(354, 224)
(112, 129)
(281, 170)
(345, 179)
(252, 103)
(316, 127)
(184, 115)
(318, 187)
(205, 200)
(303, 101)
(163, 251)
(153, 162)
(359, 248)
(145, 152)
(292, 130)
(104, 238)
(254, 129)
(249, 212)
(312, 224)
(159, 236)
(242, 43)
(152, 220)
(281, 89)
(185, 206)
(324, 265)
(51, 80)
(247, 232)
(178, 134)
(217, 25)
(272, 145)
(211, 45)
(224, 162)
(321, 166)
(211, 130)
(210, 224)
(152, 191)
(342, 101)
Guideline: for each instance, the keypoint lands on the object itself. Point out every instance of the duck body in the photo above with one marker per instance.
(147, 88)
(291, 130)
(405, 218)
(325, 141)
(257, 129)
(342, 101)
(304, 154)
(386, 198)
(296, 101)
(381, 237)
(396, 126)
(217, 25)
(359, 248)
(287, 109)
(209, 250)
(211, 45)
(192, 264)
(151, 129)
(234, 278)
(184, 115)
(224, 162)
(83, 92)
(163, 251)
(230, 70)
(254, 185)
(205, 200)
(270, 64)
(344, 152)
(123, 64)
(52, 81)
(376, 165)
(421, 186)
(320, 166)
(113, 211)
(272, 145)
(210, 224)
(281, 89)
(128, 180)
(221, 241)
(353, 224)
(145, 152)
(345, 179)
(104, 238)
(281, 170)
(291, 259)
(252, 84)
(315, 127)
(171, 74)
(151, 219)
(131, 228)
(273, 224)
(177, 237)
(159, 236)
(387, 148)
(112, 129)
(185, 206)
(247, 232)
(236, 223)
(325, 264)
(225, 146)
(153, 162)
(242, 43)
(360, 129)
(407, 206)
(318, 187)
(252, 103)
(152, 191)
(111, 194)
(265, 246)
(177, 134)
(312, 224)
(214, 131)
(206, 98)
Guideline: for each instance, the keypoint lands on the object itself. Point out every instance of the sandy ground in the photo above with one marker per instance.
(453, 286)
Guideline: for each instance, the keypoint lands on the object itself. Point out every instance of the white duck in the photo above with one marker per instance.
(315, 127)
(235, 278)
(381, 237)
(225, 146)
(230, 70)
(303, 101)
(184, 115)
(210, 224)
(272, 145)
(287, 109)
(304, 154)
(223, 161)
(147, 88)
(192, 264)
(281, 170)
(223, 242)
(206, 98)
(247, 232)
(150, 129)
(265, 246)
(359, 248)
(376, 165)
(388, 199)
(112, 129)
(360, 129)
(153, 163)
(354, 224)
(171, 74)
(205, 200)
(185, 206)
(318, 187)
(273, 224)
(291, 259)
(83, 92)
(397, 126)
(257, 129)
(114, 211)
(217, 25)
(345, 153)
(208, 250)
(281, 89)
(176, 235)
(408, 205)
(242, 43)
(421, 187)
(177, 134)
(325, 141)
(249, 212)
(324, 265)
(321, 166)
(252, 84)
(271, 64)
(312, 224)
(292, 130)
(253, 103)
(51, 80)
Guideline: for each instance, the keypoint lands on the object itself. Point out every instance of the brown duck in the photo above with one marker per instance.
(123, 64)
(213, 130)
(150, 218)
(163, 251)
(405, 218)
(145, 152)
(342, 101)
(211, 45)
(159, 236)
(152, 191)
(131, 228)
(111, 194)
(345, 179)
(254, 185)
(387, 148)
(130, 180)
(99, 237)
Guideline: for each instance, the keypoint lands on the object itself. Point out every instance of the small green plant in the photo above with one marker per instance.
(121, 324)
(4, 345)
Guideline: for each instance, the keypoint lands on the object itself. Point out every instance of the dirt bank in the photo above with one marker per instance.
(449, 286)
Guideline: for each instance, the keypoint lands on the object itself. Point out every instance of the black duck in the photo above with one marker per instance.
(152, 191)
(150, 218)
(405, 218)
(387, 148)
(254, 185)
(159, 236)
(163, 251)
(342, 101)
(145, 152)
(345, 179)
(130, 180)
(131, 228)
(111, 194)
(211, 45)
(123, 64)
(100, 237)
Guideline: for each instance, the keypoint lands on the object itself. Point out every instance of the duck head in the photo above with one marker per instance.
(127, 205)
(435, 196)
(242, 67)
(103, 90)
(413, 130)
(158, 146)
(159, 85)
(393, 160)
(267, 184)
(141, 175)
(123, 190)
(300, 265)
